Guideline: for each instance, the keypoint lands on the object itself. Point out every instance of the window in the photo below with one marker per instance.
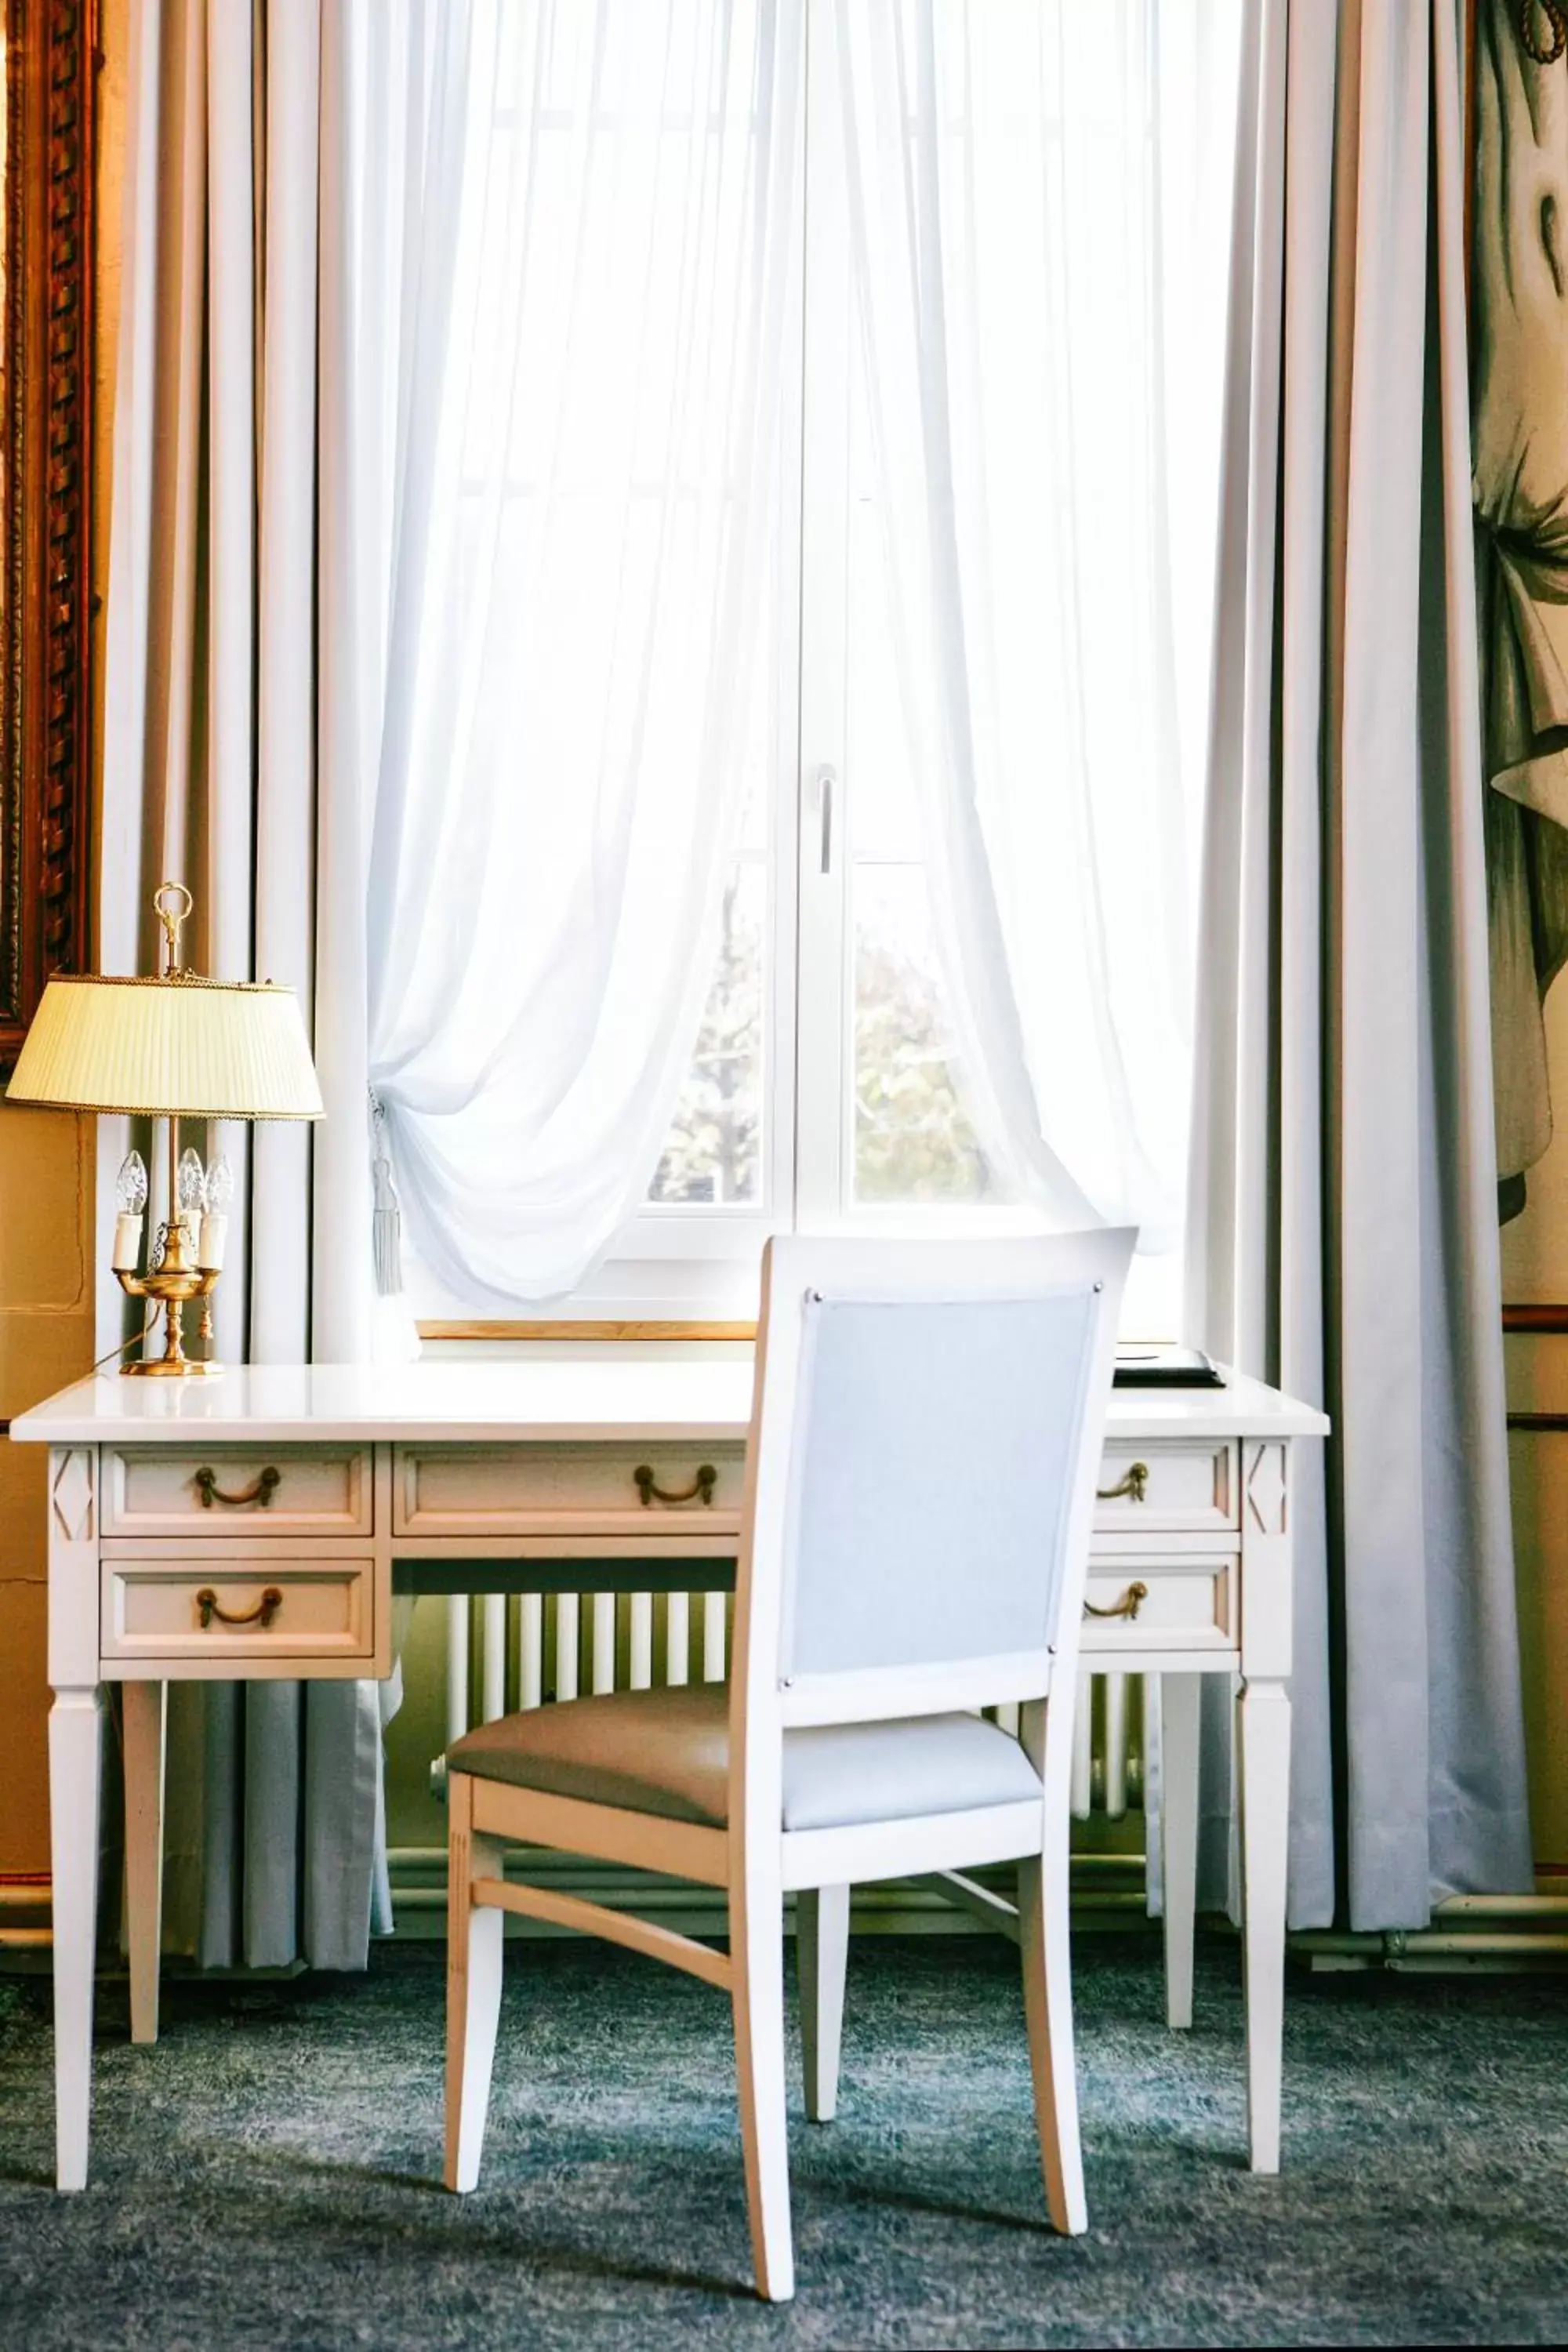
(1083, 149)
(824, 933)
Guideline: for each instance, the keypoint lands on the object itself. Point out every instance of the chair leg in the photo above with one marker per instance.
(756, 1953)
(474, 1937)
(1047, 2008)
(822, 1949)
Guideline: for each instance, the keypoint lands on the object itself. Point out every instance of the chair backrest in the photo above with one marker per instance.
(926, 1426)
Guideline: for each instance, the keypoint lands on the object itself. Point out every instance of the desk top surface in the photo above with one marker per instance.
(541, 1399)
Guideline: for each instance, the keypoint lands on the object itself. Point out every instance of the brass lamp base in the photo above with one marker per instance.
(169, 1285)
(160, 1367)
(176, 1269)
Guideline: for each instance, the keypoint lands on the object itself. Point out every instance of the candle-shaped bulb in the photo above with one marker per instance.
(219, 1189)
(190, 1183)
(130, 1186)
(130, 1199)
(217, 1193)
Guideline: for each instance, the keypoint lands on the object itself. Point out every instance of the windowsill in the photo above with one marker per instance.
(692, 1305)
(496, 1344)
(579, 1330)
(626, 1299)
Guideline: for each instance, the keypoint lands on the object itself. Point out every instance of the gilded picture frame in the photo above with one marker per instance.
(46, 471)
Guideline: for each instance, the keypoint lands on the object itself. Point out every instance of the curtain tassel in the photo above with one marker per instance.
(386, 1218)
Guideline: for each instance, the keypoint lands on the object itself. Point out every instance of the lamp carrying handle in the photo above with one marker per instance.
(172, 902)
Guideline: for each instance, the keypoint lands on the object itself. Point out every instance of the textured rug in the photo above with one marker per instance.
(268, 2175)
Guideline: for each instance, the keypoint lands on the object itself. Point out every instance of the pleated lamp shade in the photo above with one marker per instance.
(177, 1047)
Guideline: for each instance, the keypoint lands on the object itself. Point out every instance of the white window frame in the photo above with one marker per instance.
(808, 1058)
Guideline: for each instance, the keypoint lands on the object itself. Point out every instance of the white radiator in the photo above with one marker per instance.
(565, 1645)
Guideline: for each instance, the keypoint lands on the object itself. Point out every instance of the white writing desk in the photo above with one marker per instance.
(257, 1525)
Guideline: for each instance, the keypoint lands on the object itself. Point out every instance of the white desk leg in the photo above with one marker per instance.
(76, 1747)
(1181, 1697)
(1263, 1719)
(145, 1715)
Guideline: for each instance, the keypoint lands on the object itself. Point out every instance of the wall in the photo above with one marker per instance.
(1535, 1273)
(46, 1175)
(46, 1339)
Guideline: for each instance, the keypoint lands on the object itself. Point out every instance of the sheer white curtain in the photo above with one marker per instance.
(568, 236)
(1039, 199)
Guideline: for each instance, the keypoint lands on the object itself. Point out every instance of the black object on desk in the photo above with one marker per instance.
(1166, 1368)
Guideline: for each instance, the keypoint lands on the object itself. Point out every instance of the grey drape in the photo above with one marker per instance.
(213, 690)
(1344, 1235)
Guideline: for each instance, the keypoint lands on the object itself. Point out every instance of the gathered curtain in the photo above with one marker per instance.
(1343, 1232)
(224, 724)
(1038, 208)
(343, 537)
(567, 238)
(436, 710)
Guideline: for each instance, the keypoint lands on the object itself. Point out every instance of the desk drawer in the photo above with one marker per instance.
(1153, 1605)
(1162, 1484)
(167, 1490)
(238, 1612)
(474, 1490)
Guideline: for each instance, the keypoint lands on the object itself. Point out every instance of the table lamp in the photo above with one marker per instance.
(175, 1047)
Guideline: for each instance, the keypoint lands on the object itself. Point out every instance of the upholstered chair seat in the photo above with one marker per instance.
(668, 1752)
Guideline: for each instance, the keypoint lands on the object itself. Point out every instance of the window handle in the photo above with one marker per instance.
(825, 782)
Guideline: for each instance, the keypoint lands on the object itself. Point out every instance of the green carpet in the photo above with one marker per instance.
(268, 2175)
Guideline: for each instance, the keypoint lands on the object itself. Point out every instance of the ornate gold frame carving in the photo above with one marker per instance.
(46, 461)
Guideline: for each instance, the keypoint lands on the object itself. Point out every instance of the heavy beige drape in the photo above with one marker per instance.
(221, 692)
(1343, 1190)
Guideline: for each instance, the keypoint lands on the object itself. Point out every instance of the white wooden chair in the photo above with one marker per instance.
(925, 1436)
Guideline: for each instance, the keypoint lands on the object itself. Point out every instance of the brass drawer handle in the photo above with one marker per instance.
(701, 1487)
(1133, 1485)
(1127, 1606)
(263, 1614)
(266, 1484)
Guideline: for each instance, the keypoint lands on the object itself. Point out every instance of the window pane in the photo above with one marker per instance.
(713, 1156)
(912, 1139)
(716, 1154)
(913, 1142)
